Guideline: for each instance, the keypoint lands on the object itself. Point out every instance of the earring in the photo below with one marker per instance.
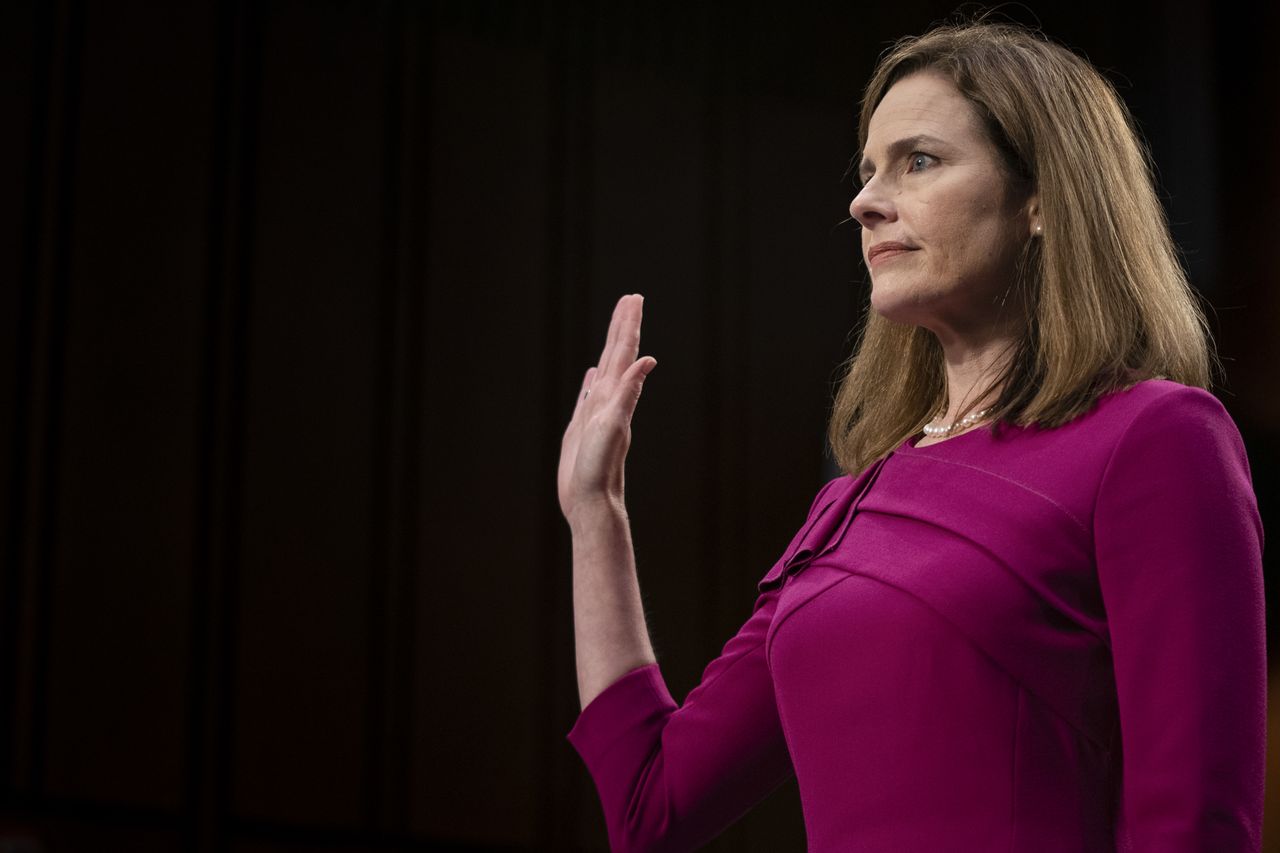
(1038, 229)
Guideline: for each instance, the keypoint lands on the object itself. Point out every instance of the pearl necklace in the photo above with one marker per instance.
(967, 421)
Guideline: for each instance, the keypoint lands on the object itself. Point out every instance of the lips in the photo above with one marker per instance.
(886, 250)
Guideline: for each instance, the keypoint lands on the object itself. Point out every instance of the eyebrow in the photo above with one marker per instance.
(897, 149)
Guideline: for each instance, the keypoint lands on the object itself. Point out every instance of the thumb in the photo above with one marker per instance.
(634, 379)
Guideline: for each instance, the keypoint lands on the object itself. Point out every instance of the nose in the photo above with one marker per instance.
(872, 206)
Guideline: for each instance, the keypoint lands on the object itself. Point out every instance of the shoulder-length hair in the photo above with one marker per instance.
(1107, 301)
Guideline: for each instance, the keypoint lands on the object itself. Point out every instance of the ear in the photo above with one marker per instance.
(1034, 222)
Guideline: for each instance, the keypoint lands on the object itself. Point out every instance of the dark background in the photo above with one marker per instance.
(296, 298)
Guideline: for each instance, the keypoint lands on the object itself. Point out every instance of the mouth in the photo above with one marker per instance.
(881, 252)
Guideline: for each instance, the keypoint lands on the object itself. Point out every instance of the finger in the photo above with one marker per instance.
(633, 382)
(584, 390)
(612, 335)
(627, 342)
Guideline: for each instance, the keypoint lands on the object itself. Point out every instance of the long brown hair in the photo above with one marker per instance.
(1107, 300)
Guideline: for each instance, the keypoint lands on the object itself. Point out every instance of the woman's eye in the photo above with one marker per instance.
(919, 162)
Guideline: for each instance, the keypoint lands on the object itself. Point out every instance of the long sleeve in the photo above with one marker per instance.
(672, 778)
(1179, 558)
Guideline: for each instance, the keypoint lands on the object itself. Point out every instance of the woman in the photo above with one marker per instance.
(1030, 615)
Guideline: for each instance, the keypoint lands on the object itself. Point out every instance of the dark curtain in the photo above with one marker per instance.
(296, 298)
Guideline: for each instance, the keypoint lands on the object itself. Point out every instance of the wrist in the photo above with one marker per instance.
(590, 513)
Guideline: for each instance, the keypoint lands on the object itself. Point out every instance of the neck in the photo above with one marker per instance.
(970, 368)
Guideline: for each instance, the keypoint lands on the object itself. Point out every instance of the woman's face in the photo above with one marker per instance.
(942, 225)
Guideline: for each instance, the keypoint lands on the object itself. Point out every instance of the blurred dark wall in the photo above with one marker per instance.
(298, 296)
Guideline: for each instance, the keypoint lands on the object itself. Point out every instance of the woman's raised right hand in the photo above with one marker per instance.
(594, 448)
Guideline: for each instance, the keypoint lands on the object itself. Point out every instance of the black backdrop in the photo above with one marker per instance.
(296, 299)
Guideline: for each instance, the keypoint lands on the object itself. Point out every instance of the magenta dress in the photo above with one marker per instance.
(1039, 641)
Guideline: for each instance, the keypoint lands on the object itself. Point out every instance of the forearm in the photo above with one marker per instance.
(609, 629)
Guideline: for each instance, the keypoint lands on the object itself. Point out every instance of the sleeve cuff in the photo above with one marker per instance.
(628, 704)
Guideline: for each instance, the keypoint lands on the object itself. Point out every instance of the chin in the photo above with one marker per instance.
(896, 307)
